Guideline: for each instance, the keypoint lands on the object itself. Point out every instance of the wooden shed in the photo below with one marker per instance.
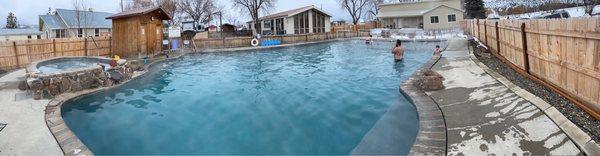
(227, 28)
(138, 32)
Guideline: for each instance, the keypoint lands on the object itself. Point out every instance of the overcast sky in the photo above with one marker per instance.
(27, 11)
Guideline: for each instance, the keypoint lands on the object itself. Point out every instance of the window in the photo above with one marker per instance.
(452, 18)
(301, 24)
(79, 32)
(39, 37)
(296, 25)
(60, 33)
(28, 36)
(435, 19)
(314, 22)
(96, 32)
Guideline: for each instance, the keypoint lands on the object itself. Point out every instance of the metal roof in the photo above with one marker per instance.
(52, 22)
(11, 32)
(87, 19)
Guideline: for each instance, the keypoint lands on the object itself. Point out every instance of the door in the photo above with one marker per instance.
(151, 38)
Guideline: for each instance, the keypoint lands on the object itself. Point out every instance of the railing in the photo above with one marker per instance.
(285, 39)
(562, 54)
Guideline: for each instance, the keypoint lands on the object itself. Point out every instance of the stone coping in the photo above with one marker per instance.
(32, 69)
(578, 136)
(431, 138)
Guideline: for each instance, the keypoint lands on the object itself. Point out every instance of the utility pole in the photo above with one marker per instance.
(220, 19)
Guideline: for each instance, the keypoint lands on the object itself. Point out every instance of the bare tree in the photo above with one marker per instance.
(589, 6)
(375, 6)
(200, 11)
(136, 4)
(170, 7)
(254, 7)
(82, 16)
(356, 8)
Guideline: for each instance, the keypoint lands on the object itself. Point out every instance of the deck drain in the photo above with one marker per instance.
(2, 126)
(22, 96)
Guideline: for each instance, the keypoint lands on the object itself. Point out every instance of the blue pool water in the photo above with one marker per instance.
(310, 99)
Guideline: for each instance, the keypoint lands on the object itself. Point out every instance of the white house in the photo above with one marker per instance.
(19, 34)
(71, 23)
(425, 14)
(304, 20)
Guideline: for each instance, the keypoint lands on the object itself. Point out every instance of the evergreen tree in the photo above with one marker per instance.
(475, 9)
(11, 21)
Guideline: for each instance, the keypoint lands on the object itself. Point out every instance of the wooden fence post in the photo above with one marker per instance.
(525, 53)
(54, 47)
(478, 32)
(85, 46)
(497, 38)
(223, 40)
(110, 52)
(485, 32)
(16, 54)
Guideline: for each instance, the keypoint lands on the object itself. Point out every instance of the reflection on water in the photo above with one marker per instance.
(313, 99)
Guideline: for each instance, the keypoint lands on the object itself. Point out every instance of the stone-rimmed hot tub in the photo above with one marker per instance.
(51, 77)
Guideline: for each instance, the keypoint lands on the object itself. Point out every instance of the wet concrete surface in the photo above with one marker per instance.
(484, 117)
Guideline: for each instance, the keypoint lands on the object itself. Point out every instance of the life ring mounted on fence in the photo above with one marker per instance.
(254, 42)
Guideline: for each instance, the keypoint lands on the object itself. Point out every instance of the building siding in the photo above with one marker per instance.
(421, 6)
(442, 13)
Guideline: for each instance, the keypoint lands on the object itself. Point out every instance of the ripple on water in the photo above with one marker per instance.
(312, 99)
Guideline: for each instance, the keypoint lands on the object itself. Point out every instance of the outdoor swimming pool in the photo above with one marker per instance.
(311, 99)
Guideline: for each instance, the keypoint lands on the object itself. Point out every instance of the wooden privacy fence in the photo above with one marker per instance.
(285, 39)
(562, 54)
(17, 54)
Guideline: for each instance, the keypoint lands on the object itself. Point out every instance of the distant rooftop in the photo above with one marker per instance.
(11, 32)
(64, 19)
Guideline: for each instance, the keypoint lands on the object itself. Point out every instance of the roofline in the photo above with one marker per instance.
(135, 14)
(309, 7)
(85, 11)
(423, 13)
(402, 3)
(62, 19)
(439, 7)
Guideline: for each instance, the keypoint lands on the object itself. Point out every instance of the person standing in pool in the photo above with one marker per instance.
(398, 51)
(437, 51)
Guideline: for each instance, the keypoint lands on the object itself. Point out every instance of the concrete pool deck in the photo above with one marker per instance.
(484, 116)
(26, 132)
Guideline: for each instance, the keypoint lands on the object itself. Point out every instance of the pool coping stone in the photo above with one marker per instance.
(431, 138)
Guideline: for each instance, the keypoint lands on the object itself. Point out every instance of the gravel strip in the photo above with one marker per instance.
(582, 119)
